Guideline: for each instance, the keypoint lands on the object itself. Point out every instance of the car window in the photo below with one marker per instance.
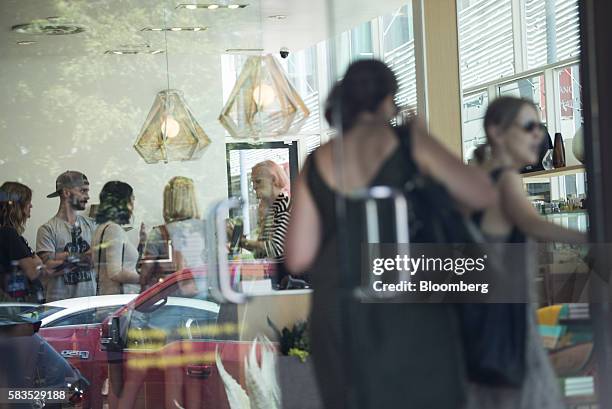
(86, 317)
(41, 311)
(172, 318)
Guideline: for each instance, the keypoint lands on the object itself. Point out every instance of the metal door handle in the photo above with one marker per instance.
(218, 266)
(199, 371)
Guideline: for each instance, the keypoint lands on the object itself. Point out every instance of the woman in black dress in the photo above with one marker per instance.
(374, 355)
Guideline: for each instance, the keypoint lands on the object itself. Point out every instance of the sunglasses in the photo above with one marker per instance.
(532, 126)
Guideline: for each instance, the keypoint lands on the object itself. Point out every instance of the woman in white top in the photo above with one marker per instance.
(182, 233)
(115, 257)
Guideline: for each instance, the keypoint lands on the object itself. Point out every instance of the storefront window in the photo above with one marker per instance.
(569, 100)
(361, 42)
(486, 46)
(398, 53)
(474, 108)
(528, 88)
(552, 31)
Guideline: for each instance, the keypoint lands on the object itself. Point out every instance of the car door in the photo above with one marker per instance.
(169, 338)
(77, 338)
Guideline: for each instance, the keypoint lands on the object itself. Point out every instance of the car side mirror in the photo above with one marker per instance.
(115, 332)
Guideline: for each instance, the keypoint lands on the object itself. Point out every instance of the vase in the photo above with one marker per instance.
(558, 151)
(298, 384)
(578, 145)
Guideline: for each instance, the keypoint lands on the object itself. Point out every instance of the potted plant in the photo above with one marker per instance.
(295, 369)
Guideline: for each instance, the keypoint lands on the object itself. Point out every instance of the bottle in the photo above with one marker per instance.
(17, 287)
(558, 151)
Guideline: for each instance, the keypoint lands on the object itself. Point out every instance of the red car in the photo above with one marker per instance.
(158, 350)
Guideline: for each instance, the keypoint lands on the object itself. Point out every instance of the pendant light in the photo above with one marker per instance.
(263, 102)
(170, 132)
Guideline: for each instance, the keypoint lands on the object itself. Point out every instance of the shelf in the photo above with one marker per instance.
(547, 174)
(572, 213)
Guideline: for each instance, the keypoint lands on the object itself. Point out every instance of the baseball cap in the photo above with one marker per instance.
(68, 180)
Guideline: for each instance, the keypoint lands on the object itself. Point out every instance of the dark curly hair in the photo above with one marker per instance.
(114, 200)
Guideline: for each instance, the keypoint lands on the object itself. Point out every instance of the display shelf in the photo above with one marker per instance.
(572, 213)
(547, 174)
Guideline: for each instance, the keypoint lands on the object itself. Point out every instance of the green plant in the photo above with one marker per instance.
(294, 341)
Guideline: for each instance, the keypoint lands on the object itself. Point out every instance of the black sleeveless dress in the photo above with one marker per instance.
(375, 355)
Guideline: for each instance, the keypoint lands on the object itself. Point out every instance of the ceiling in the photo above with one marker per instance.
(113, 24)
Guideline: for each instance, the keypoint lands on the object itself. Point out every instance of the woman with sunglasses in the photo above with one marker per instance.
(514, 135)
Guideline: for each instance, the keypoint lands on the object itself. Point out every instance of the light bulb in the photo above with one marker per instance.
(264, 95)
(170, 127)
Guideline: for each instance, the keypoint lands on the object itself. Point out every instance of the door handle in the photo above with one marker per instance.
(218, 266)
(370, 197)
(199, 371)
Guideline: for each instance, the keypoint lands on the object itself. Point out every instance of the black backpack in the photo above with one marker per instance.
(493, 335)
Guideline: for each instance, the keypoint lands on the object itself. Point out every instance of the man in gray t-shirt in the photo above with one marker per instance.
(65, 241)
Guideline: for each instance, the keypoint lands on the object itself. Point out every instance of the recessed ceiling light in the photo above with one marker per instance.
(210, 6)
(277, 17)
(244, 51)
(200, 28)
(26, 42)
(133, 51)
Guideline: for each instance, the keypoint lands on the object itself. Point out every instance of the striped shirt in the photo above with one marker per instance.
(274, 229)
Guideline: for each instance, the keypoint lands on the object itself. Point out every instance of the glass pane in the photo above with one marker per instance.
(474, 109)
(552, 31)
(301, 67)
(398, 53)
(361, 42)
(486, 45)
(242, 161)
(570, 100)
(529, 88)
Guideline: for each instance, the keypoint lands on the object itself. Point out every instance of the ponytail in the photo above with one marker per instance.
(480, 153)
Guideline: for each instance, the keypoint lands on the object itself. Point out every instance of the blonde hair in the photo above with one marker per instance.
(180, 201)
(14, 199)
(275, 171)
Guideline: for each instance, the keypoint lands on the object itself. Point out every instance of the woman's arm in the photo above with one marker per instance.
(304, 233)
(32, 267)
(470, 186)
(114, 241)
(522, 214)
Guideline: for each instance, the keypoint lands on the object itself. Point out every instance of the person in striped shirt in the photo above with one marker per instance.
(271, 185)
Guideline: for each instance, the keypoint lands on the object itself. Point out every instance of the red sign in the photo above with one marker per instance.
(566, 93)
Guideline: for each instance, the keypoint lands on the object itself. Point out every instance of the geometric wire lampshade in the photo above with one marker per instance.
(170, 132)
(263, 102)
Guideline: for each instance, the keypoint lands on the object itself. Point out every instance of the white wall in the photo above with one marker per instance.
(59, 113)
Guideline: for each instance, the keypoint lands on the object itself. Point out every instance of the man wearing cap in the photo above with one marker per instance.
(64, 241)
